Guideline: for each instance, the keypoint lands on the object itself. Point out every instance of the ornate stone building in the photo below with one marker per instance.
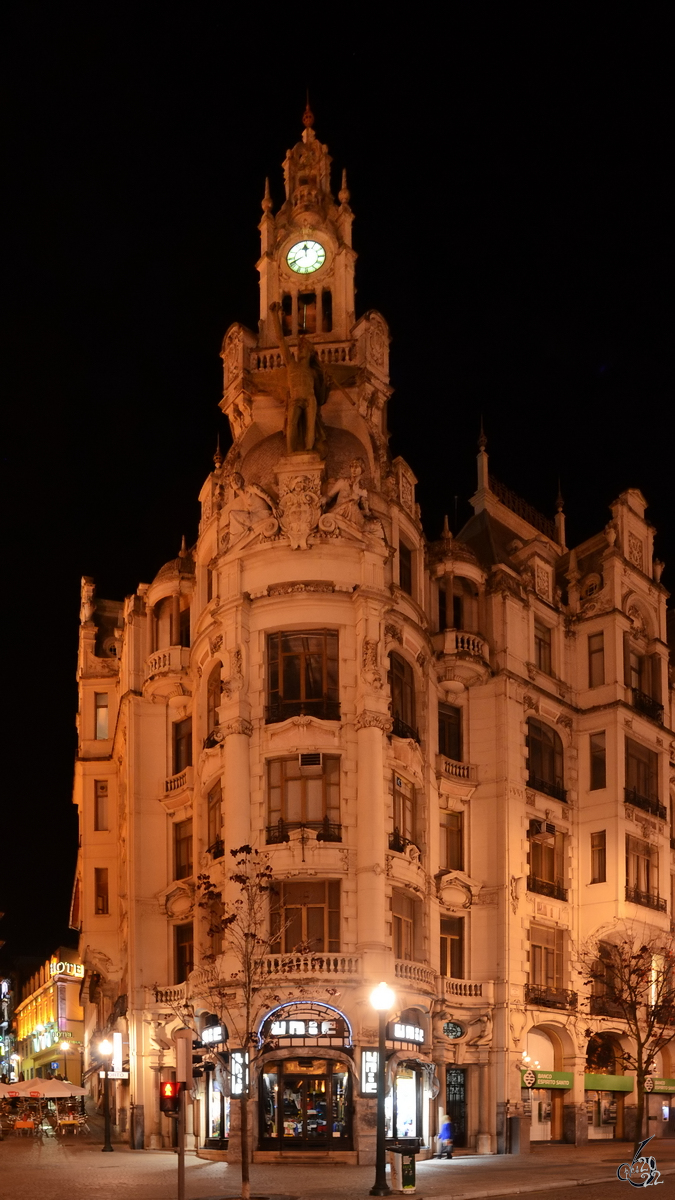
(456, 755)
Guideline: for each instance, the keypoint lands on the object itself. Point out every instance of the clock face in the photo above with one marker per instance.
(305, 257)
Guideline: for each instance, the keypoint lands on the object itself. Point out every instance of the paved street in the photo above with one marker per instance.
(68, 1169)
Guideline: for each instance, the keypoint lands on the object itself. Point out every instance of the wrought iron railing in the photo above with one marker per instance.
(556, 790)
(663, 1014)
(647, 705)
(646, 899)
(281, 710)
(547, 887)
(400, 844)
(522, 508)
(217, 849)
(605, 1006)
(549, 997)
(402, 730)
(646, 803)
(326, 831)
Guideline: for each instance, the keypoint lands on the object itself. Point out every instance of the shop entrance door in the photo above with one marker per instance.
(305, 1111)
(305, 1105)
(455, 1102)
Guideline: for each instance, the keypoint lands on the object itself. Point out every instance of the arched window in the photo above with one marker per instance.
(213, 693)
(402, 687)
(545, 760)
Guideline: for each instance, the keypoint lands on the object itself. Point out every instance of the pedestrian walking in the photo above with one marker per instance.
(445, 1139)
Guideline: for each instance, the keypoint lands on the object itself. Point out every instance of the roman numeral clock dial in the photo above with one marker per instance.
(306, 257)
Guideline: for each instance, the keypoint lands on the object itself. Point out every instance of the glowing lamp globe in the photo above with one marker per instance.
(382, 998)
(105, 1048)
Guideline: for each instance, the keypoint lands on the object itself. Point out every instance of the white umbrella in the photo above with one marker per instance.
(38, 1089)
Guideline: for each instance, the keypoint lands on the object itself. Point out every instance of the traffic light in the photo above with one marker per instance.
(197, 1065)
(169, 1097)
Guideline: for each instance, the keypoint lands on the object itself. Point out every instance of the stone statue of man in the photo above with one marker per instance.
(306, 390)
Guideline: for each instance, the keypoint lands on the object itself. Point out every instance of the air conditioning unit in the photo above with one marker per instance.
(311, 764)
(550, 828)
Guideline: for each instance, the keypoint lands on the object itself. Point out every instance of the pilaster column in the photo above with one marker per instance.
(370, 860)
(175, 619)
(483, 1138)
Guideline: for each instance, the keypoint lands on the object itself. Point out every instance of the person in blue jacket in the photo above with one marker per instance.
(445, 1138)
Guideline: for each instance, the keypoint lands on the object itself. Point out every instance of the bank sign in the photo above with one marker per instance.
(546, 1079)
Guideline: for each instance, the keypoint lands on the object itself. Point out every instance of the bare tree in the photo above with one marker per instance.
(630, 974)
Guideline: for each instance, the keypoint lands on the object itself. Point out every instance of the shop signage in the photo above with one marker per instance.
(114, 1074)
(213, 1035)
(398, 1032)
(306, 1024)
(369, 1065)
(238, 1062)
(608, 1083)
(653, 1084)
(67, 968)
(546, 1079)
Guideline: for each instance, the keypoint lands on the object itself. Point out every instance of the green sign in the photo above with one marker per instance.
(608, 1083)
(662, 1085)
(546, 1079)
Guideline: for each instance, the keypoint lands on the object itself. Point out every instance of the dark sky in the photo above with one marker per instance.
(513, 224)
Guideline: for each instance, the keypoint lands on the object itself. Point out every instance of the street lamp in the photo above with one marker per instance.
(105, 1051)
(65, 1047)
(382, 998)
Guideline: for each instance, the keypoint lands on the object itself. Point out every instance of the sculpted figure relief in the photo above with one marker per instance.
(248, 507)
(306, 392)
(352, 498)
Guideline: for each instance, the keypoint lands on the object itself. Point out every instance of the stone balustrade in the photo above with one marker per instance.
(172, 660)
(467, 990)
(456, 770)
(311, 966)
(177, 994)
(176, 783)
(331, 352)
(461, 642)
(415, 974)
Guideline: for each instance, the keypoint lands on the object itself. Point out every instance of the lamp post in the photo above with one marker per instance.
(65, 1047)
(105, 1051)
(382, 998)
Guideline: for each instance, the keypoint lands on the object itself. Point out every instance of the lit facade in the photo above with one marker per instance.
(454, 753)
(49, 1026)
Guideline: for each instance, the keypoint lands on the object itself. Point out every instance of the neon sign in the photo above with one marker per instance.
(407, 1033)
(67, 968)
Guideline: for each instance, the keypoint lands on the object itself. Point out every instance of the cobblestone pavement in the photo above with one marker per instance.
(69, 1169)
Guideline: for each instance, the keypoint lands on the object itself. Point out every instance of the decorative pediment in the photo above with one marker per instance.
(456, 889)
(177, 900)
(303, 733)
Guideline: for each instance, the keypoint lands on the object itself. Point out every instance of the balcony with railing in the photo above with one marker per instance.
(647, 706)
(549, 997)
(547, 887)
(549, 788)
(400, 844)
(325, 830)
(171, 661)
(401, 730)
(646, 899)
(415, 973)
(647, 803)
(466, 991)
(217, 848)
(310, 966)
(172, 994)
(605, 1006)
(281, 710)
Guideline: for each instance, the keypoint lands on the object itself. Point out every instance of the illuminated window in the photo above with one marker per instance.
(182, 745)
(598, 761)
(101, 713)
(404, 808)
(546, 956)
(182, 844)
(306, 916)
(100, 804)
(596, 659)
(542, 646)
(101, 901)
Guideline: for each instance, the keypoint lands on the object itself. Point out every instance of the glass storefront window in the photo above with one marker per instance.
(401, 1106)
(218, 1111)
(305, 1102)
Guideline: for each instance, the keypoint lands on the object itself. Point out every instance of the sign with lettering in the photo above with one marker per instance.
(306, 1024)
(114, 1074)
(369, 1065)
(660, 1084)
(76, 970)
(546, 1079)
(399, 1031)
(213, 1035)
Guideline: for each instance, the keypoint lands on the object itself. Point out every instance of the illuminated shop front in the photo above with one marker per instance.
(661, 1105)
(543, 1087)
(605, 1090)
(217, 1085)
(305, 1081)
(49, 1021)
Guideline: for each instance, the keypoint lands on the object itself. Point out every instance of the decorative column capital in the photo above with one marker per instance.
(374, 720)
(239, 725)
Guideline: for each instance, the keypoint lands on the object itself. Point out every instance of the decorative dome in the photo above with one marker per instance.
(183, 565)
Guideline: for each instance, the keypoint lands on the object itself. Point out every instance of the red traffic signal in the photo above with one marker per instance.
(169, 1097)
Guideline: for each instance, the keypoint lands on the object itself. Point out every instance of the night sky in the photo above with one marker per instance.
(513, 225)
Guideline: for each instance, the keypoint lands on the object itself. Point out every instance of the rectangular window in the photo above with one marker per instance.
(403, 914)
(182, 848)
(547, 853)
(327, 310)
(542, 647)
(182, 745)
(401, 681)
(215, 818)
(452, 842)
(184, 627)
(101, 901)
(642, 771)
(404, 808)
(636, 671)
(596, 659)
(303, 675)
(183, 951)
(405, 568)
(457, 612)
(442, 609)
(301, 795)
(598, 761)
(452, 947)
(307, 312)
(306, 917)
(100, 804)
(546, 957)
(599, 857)
(450, 731)
(101, 712)
(642, 867)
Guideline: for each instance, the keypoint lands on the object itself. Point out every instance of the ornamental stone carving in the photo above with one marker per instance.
(239, 725)
(299, 510)
(369, 664)
(393, 633)
(635, 550)
(374, 720)
(236, 681)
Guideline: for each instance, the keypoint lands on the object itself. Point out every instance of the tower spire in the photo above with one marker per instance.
(483, 478)
(266, 203)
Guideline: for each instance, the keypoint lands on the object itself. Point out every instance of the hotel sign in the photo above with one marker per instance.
(76, 970)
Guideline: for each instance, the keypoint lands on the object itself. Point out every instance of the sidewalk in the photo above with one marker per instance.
(69, 1168)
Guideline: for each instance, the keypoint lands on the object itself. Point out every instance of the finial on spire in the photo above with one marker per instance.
(267, 198)
(218, 458)
(308, 115)
(344, 194)
(447, 535)
(482, 440)
(182, 553)
(560, 503)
